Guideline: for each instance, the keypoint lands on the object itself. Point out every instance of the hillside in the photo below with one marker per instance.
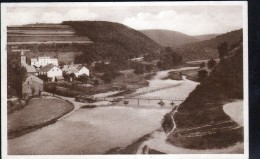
(202, 113)
(83, 41)
(43, 34)
(169, 38)
(208, 49)
(205, 37)
(114, 41)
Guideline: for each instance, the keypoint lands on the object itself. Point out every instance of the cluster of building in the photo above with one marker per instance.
(49, 67)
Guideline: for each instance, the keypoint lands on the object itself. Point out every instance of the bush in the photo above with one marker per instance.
(67, 92)
(202, 65)
(211, 63)
(203, 74)
(223, 50)
(109, 76)
(167, 123)
(83, 78)
(43, 77)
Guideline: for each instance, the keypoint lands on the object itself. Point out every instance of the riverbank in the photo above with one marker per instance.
(38, 113)
(98, 130)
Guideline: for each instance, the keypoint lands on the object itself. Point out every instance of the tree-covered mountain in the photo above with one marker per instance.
(107, 41)
(208, 49)
(200, 120)
(115, 42)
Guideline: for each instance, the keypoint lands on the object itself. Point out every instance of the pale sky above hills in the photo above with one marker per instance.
(192, 20)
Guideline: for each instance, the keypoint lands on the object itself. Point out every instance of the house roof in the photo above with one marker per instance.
(30, 69)
(47, 68)
(72, 68)
(43, 57)
(32, 77)
(34, 60)
(59, 78)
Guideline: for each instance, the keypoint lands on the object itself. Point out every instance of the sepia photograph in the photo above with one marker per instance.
(164, 79)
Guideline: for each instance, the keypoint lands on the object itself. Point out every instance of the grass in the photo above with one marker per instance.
(89, 106)
(15, 105)
(46, 38)
(218, 140)
(38, 113)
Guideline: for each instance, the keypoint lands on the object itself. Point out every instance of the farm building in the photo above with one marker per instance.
(32, 86)
(30, 69)
(51, 71)
(76, 69)
(43, 61)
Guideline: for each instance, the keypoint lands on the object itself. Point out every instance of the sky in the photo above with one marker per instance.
(191, 20)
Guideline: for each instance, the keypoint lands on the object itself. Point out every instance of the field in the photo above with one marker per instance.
(39, 112)
(46, 39)
(47, 34)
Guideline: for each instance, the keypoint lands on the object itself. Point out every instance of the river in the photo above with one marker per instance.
(95, 131)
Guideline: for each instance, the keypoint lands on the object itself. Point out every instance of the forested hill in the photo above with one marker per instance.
(201, 117)
(114, 39)
(169, 38)
(208, 49)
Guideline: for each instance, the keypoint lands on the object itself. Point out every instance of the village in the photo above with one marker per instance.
(103, 86)
(46, 69)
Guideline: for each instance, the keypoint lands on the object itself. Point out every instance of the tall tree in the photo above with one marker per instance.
(223, 50)
(16, 74)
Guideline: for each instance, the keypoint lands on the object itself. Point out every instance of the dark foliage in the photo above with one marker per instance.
(16, 74)
(169, 59)
(211, 63)
(83, 78)
(208, 49)
(203, 74)
(43, 77)
(116, 43)
(167, 123)
(225, 82)
(202, 65)
(223, 50)
(109, 76)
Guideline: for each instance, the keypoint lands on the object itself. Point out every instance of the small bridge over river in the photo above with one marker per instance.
(138, 98)
(142, 100)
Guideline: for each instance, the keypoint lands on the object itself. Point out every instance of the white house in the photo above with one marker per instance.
(77, 69)
(43, 61)
(52, 72)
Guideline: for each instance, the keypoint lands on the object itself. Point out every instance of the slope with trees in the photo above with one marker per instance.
(169, 38)
(202, 113)
(209, 48)
(117, 44)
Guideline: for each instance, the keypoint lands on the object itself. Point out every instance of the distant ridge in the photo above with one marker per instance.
(208, 48)
(205, 37)
(169, 38)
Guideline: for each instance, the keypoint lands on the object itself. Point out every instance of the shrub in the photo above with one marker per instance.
(202, 65)
(223, 50)
(167, 123)
(203, 74)
(211, 63)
